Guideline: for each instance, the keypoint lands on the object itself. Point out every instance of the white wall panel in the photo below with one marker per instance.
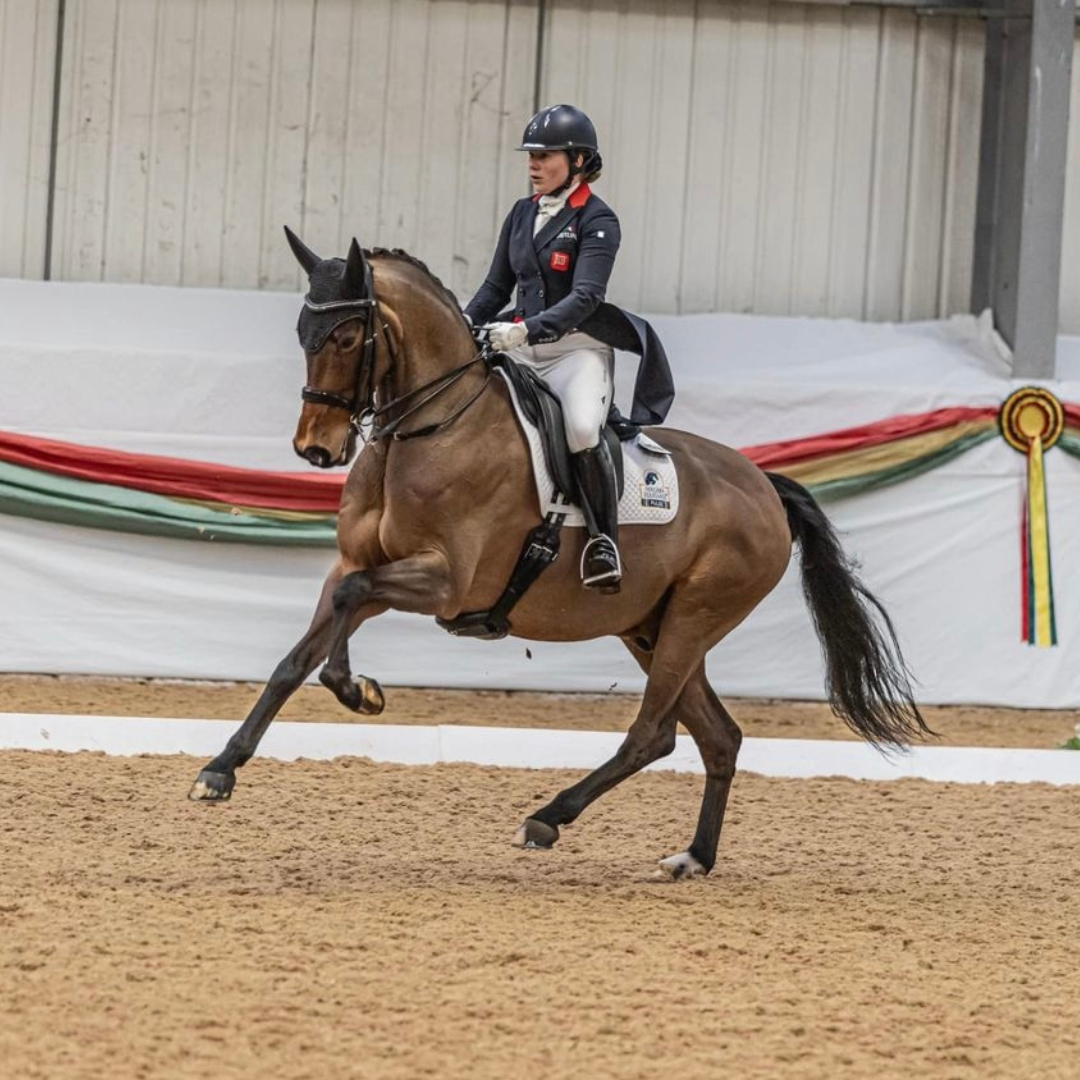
(779, 158)
(27, 65)
(192, 130)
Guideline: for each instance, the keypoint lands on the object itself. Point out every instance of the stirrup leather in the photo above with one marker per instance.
(608, 577)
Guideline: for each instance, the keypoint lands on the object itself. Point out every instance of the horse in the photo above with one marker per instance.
(435, 509)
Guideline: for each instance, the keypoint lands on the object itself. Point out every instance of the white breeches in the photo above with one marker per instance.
(580, 371)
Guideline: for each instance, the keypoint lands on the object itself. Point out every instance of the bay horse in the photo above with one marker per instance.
(436, 507)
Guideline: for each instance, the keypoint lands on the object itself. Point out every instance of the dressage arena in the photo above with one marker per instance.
(853, 227)
(344, 918)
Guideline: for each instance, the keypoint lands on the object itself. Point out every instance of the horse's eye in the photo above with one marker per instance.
(346, 342)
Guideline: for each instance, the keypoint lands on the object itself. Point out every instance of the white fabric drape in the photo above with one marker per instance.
(216, 376)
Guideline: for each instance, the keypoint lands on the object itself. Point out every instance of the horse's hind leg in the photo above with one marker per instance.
(718, 738)
(651, 736)
(217, 780)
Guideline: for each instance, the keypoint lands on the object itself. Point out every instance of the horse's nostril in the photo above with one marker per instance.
(318, 456)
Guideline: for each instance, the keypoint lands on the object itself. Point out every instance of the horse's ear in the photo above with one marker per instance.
(304, 255)
(354, 270)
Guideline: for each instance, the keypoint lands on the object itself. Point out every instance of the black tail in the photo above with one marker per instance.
(867, 680)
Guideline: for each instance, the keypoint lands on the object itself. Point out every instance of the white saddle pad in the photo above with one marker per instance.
(651, 489)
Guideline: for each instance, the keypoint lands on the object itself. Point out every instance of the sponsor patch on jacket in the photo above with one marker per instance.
(560, 260)
(567, 234)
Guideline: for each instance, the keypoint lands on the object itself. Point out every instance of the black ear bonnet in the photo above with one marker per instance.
(331, 300)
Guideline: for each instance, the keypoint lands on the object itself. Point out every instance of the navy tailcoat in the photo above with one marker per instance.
(561, 278)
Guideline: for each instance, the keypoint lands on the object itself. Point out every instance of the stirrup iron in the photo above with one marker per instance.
(610, 577)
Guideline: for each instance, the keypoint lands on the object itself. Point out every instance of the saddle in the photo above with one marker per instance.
(543, 408)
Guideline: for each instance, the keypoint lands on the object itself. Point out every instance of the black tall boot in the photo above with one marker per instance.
(601, 567)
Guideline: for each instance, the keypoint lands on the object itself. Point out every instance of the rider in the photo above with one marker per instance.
(558, 248)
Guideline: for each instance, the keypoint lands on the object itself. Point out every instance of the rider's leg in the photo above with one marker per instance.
(582, 379)
(601, 566)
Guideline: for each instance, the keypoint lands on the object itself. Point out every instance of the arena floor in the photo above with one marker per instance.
(346, 919)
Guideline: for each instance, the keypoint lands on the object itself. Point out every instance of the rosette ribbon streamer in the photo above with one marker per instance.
(1032, 421)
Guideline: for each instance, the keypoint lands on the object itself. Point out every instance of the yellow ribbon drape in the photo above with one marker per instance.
(1041, 628)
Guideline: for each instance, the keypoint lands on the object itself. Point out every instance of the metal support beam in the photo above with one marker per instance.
(1021, 197)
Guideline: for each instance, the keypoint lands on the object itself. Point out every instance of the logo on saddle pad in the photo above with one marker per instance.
(653, 492)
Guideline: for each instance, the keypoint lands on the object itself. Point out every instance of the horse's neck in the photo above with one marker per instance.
(427, 340)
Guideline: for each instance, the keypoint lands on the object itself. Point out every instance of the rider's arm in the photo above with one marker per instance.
(498, 286)
(595, 259)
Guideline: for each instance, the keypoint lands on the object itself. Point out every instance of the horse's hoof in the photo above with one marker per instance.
(677, 867)
(212, 787)
(372, 699)
(535, 834)
(359, 694)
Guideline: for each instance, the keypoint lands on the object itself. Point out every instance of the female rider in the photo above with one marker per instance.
(558, 249)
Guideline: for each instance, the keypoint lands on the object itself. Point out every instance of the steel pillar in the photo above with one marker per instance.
(1021, 196)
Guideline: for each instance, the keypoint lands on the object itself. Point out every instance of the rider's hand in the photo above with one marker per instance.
(505, 336)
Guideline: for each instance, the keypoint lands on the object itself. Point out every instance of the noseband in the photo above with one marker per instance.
(362, 412)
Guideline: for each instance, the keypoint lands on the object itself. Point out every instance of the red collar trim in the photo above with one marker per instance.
(580, 197)
(577, 200)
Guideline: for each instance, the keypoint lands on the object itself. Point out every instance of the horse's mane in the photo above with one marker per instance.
(412, 260)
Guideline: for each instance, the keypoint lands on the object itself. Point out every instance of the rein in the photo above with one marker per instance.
(441, 383)
(369, 413)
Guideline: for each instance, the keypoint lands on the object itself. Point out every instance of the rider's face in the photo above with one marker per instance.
(548, 170)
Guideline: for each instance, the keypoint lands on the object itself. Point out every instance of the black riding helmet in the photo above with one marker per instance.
(559, 127)
(563, 127)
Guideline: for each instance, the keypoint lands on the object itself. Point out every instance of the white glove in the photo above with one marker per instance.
(505, 336)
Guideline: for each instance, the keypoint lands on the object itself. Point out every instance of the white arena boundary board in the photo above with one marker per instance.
(215, 375)
(529, 748)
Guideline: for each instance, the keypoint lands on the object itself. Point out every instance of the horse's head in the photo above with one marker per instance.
(336, 320)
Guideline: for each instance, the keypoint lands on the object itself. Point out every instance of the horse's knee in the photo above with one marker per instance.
(351, 592)
(440, 593)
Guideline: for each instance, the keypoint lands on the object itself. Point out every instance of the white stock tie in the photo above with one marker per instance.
(550, 205)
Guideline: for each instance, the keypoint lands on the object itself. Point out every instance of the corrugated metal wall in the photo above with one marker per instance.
(27, 67)
(775, 158)
(783, 158)
(191, 130)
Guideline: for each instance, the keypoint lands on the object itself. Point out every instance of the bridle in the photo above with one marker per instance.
(364, 415)
(325, 397)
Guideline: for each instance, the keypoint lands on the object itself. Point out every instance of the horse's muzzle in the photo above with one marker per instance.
(317, 455)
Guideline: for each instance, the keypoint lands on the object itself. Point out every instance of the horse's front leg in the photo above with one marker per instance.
(420, 584)
(218, 779)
